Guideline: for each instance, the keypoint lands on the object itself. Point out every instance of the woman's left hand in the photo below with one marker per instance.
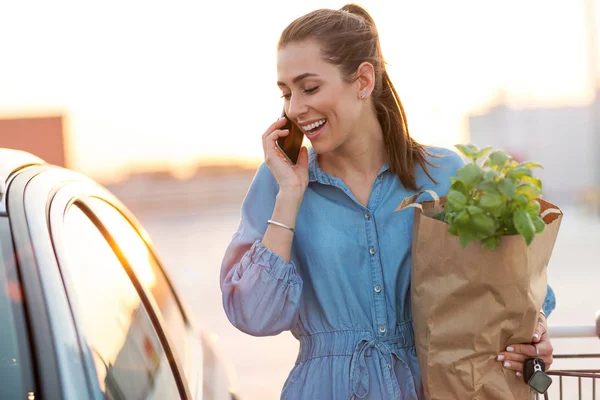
(516, 354)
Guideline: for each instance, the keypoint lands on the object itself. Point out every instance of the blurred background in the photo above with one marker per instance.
(165, 104)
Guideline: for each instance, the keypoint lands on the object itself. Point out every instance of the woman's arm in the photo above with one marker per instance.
(261, 287)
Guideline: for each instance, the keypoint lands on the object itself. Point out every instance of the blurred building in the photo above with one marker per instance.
(564, 140)
(41, 136)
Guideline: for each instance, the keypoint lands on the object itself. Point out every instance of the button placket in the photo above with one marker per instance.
(380, 319)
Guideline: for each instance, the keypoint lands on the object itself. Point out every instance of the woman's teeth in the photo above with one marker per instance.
(314, 125)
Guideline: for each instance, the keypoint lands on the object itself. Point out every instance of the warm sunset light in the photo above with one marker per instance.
(145, 85)
(163, 105)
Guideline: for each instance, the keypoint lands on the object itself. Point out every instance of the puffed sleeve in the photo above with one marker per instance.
(261, 291)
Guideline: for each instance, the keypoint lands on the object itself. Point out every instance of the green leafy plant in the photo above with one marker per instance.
(492, 196)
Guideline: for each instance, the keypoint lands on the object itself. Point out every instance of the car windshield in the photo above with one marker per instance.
(16, 375)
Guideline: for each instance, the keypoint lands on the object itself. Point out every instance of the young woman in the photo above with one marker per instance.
(320, 250)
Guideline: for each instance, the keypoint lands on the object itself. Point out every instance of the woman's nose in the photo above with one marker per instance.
(296, 107)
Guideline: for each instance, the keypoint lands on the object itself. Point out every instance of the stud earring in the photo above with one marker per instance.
(363, 95)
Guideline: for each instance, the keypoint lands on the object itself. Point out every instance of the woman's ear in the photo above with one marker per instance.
(365, 79)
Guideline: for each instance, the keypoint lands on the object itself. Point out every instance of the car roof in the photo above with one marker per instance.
(12, 160)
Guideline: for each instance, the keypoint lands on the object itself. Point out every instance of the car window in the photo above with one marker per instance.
(146, 268)
(16, 375)
(129, 359)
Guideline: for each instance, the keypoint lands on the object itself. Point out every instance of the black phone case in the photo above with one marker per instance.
(290, 145)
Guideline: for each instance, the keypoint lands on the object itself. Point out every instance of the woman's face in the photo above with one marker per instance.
(317, 98)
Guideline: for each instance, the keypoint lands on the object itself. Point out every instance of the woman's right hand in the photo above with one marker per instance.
(292, 179)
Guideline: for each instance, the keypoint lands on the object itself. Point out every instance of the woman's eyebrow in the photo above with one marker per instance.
(298, 78)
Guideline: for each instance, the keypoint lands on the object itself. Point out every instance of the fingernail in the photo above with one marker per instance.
(500, 357)
(519, 374)
(507, 364)
(536, 336)
(510, 348)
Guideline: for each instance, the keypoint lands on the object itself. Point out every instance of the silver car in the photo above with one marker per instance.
(86, 309)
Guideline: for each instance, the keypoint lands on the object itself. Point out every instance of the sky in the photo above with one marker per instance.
(148, 84)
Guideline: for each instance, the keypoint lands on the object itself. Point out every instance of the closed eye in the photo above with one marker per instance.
(287, 96)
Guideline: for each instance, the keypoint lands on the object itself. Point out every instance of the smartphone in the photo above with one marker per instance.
(291, 144)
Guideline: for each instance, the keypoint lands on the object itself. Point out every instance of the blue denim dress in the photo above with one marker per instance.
(345, 295)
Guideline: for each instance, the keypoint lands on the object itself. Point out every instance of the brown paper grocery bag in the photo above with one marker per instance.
(469, 304)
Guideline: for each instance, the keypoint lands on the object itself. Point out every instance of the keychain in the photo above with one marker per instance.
(535, 377)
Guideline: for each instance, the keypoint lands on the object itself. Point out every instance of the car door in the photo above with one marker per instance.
(104, 326)
(136, 246)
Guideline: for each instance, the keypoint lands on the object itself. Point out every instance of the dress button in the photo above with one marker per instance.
(389, 366)
(372, 250)
(382, 329)
(367, 216)
(377, 289)
(380, 176)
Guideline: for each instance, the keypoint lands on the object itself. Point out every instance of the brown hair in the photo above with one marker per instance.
(348, 37)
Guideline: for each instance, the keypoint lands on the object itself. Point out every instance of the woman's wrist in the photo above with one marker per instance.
(290, 198)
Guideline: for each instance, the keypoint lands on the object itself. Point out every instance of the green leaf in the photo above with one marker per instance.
(529, 190)
(462, 218)
(490, 175)
(524, 225)
(470, 174)
(484, 152)
(453, 230)
(466, 237)
(508, 188)
(521, 200)
(518, 173)
(534, 181)
(488, 187)
(459, 186)
(456, 201)
(469, 150)
(539, 224)
(491, 242)
(497, 160)
(474, 210)
(491, 201)
(484, 224)
(533, 208)
(530, 164)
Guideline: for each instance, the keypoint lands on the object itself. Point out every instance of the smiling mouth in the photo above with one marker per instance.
(314, 127)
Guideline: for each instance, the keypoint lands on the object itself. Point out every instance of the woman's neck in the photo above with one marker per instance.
(361, 156)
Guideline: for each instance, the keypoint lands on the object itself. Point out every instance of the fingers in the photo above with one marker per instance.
(303, 157)
(515, 355)
(270, 147)
(513, 365)
(540, 330)
(275, 125)
(512, 357)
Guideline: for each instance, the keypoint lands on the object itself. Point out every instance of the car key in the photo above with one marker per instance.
(534, 375)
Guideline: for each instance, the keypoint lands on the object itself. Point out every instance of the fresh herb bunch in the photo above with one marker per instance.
(493, 198)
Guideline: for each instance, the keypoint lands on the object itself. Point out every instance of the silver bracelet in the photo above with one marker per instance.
(289, 228)
(543, 313)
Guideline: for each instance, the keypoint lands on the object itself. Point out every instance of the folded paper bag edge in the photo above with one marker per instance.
(411, 200)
